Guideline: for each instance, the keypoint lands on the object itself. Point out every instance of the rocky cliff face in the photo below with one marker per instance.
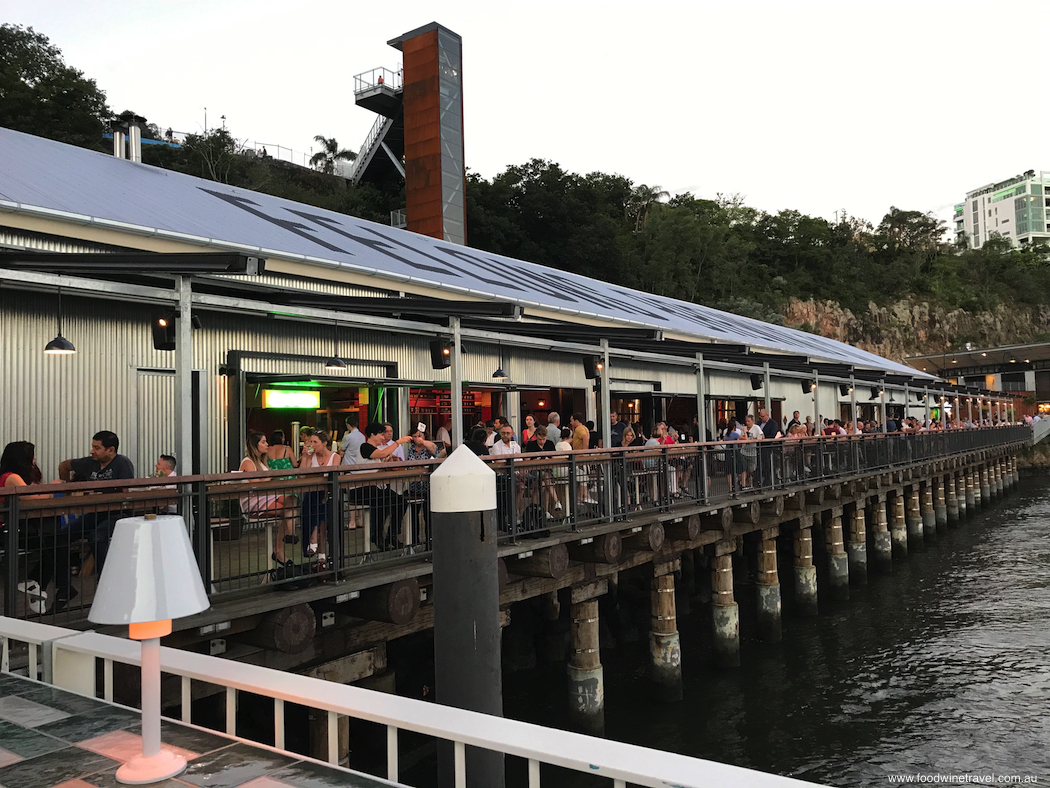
(908, 328)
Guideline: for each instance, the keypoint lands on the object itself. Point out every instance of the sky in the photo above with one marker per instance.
(854, 105)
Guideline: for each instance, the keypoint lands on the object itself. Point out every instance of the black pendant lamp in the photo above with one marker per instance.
(335, 364)
(59, 346)
(499, 374)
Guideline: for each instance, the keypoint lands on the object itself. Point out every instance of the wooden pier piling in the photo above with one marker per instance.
(724, 612)
(898, 529)
(838, 561)
(940, 505)
(665, 648)
(768, 587)
(857, 546)
(913, 520)
(881, 537)
(929, 521)
(805, 571)
(586, 678)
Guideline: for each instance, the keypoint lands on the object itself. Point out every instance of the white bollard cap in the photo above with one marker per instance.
(463, 483)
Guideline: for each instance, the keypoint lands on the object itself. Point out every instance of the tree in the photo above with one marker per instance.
(214, 153)
(642, 200)
(40, 94)
(329, 154)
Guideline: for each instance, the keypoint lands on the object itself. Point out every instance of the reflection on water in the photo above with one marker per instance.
(941, 668)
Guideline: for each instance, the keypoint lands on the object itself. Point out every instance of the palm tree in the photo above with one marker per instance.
(643, 198)
(330, 152)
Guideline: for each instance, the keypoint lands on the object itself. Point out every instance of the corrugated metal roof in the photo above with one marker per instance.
(45, 178)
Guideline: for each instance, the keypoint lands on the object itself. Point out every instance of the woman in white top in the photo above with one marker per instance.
(262, 503)
(561, 472)
(315, 507)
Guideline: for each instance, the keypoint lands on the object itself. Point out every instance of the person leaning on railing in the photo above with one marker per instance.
(18, 468)
(381, 501)
(267, 503)
(507, 489)
(316, 506)
(103, 463)
(581, 439)
(418, 449)
(540, 481)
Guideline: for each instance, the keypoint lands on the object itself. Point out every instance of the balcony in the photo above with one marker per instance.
(379, 90)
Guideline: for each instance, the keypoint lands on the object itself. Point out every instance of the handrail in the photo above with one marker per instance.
(1040, 430)
(379, 77)
(617, 761)
(240, 522)
(373, 135)
(383, 474)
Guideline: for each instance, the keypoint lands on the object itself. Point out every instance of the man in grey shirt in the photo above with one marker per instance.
(352, 443)
(553, 427)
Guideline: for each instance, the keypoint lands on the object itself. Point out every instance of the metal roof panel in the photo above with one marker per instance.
(39, 175)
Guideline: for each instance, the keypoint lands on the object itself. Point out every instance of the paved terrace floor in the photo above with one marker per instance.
(55, 739)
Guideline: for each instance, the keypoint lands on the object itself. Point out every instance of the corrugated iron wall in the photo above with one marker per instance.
(20, 239)
(311, 285)
(59, 402)
(672, 379)
(117, 381)
(155, 429)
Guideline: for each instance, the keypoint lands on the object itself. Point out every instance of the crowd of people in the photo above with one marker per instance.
(537, 494)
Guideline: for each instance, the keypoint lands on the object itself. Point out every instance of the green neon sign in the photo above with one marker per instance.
(299, 400)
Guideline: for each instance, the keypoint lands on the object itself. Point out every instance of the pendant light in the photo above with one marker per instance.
(335, 364)
(59, 346)
(499, 374)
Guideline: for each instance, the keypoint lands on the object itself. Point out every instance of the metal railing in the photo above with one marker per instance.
(255, 530)
(378, 78)
(71, 662)
(370, 145)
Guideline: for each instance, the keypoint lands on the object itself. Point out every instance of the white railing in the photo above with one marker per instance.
(70, 660)
(1040, 430)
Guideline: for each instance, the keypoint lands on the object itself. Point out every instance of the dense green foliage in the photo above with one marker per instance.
(724, 253)
(40, 94)
(218, 156)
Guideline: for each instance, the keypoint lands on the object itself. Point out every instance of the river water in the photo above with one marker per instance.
(942, 668)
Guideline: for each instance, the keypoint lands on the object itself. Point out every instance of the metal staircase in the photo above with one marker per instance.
(380, 157)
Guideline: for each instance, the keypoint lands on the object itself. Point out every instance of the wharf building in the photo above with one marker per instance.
(370, 298)
(1020, 372)
(374, 296)
(199, 311)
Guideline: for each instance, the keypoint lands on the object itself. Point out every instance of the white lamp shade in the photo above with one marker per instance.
(150, 574)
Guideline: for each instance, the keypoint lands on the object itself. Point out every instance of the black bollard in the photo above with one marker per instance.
(467, 633)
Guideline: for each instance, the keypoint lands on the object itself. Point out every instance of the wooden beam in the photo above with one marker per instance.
(352, 667)
(551, 562)
(396, 603)
(592, 590)
(604, 549)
